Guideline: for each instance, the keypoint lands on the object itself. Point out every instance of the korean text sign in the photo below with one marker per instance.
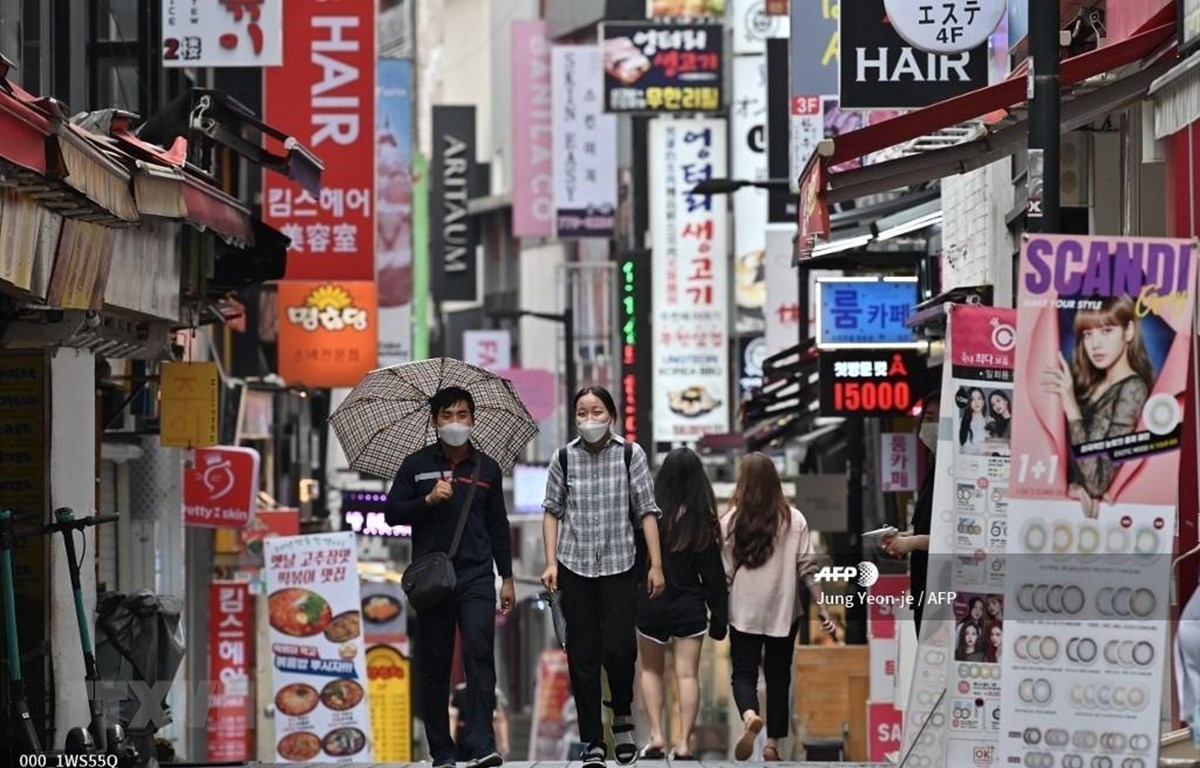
(188, 404)
(584, 140)
(319, 668)
(230, 659)
(870, 382)
(220, 488)
(690, 281)
(226, 33)
(324, 95)
(327, 335)
(865, 311)
(657, 68)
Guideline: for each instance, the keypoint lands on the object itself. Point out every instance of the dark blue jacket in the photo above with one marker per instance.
(486, 537)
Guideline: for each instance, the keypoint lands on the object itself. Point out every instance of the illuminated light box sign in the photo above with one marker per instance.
(870, 383)
(865, 312)
(363, 513)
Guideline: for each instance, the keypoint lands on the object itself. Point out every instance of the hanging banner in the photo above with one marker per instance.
(394, 197)
(1103, 354)
(651, 68)
(585, 139)
(226, 34)
(453, 236)
(748, 160)
(882, 71)
(319, 668)
(533, 166)
(230, 658)
(220, 487)
(753, 24)
(964, 628)
(324, 95)
(691, 353)
(327, 336)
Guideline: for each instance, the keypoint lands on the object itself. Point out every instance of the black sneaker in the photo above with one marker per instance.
(494, 760)
(444, 764)
(595, 756)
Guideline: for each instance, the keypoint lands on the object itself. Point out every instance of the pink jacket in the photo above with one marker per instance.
(764, 600)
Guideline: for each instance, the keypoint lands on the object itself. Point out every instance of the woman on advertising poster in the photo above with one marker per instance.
(1103, 390)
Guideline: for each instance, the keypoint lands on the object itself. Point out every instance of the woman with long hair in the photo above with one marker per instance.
(768, 552)
(970, 642)
(995, 642)
(1103, 390)
(597, 487)
(999, 423)
(972, 428)
(695, 601)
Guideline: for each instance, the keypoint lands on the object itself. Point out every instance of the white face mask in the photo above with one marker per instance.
(929, 435)
(592, 431)
(454, 434)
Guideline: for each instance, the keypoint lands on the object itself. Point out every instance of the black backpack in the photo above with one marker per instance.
(633, 516)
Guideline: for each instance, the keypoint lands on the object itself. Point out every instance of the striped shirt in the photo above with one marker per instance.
(592, 504)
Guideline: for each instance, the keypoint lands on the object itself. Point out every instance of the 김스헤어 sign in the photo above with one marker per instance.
(865, 311)
(239, 33)
(658, 68)
(324, 95)
(1103, 353)
(690, 281)
(230, 657)
(220, 488)
(327, 332)
(319, 668)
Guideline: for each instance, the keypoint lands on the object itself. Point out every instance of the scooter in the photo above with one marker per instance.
(27, 739)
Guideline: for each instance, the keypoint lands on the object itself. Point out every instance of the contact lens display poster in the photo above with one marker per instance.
(319, 668)
(964, 612)
(1103, 349)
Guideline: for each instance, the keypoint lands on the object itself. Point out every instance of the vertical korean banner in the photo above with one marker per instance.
(317, 656)
(1104, 349)
(964, 619)
(230, 649)
(389, 671)
(393, 210)
(814, 75)
(585, 140)
(690, 281)
(533, 165)
(748, 160)
(324, 95)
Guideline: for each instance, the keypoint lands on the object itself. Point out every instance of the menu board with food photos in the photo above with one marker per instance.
(317, 654)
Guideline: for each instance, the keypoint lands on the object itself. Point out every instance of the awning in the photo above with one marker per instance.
(94, 173)
(820, 186)
(23, 133)
(1176, 97)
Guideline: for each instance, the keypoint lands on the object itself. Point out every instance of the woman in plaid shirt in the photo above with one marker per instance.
(593, 496)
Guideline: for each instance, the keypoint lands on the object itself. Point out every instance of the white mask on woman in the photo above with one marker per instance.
(592, 431)
(929, 435)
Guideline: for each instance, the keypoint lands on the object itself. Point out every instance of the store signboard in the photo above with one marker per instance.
(584, 140)
(454, 235)
(490, 350)
(753, 23)
(188, 405)
(653, 68)
(231, 642)
(690, 281)
(318, 664)
(231, 33)
(393, 214)
(220, 487)
(533, 167)
(748, 160)
(870, 382)
(327, 334)
(324, 95)
(945, 26)
(865, 312)
(898, 462)
(365, 513)
(633, 313)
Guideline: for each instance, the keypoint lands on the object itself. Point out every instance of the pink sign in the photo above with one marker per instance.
(898, 462)
(533, 167)
(220, 487)
(535, 387)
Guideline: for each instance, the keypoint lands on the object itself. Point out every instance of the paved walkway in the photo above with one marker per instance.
(611, 764)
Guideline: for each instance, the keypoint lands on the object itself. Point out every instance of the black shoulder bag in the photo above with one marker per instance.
(431, 580)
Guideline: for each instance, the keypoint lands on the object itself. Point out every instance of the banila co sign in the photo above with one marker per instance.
(453, 235)
(945, 26)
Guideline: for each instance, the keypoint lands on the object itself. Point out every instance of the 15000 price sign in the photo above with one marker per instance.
(870, 383)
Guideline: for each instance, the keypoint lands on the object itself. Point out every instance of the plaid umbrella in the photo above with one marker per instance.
(386, 417)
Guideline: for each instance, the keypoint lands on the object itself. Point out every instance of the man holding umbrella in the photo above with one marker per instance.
(429, 492)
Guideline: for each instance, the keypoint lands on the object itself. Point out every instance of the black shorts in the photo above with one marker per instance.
(664, 634)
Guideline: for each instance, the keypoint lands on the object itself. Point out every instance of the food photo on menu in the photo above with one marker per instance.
(317, 648)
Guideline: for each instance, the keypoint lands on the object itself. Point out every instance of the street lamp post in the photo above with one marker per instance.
(567, 318)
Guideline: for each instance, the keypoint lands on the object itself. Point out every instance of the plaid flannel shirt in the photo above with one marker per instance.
(592, 504)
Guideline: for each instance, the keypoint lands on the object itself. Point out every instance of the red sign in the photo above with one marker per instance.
(327, 334)
(887, 595)
(814, 214)
(230, 650)
(324, 95)
(885, 724)
(220, 488)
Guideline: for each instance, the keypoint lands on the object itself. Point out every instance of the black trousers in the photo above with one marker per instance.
(473, 611)
(747, 652)
(600, 632)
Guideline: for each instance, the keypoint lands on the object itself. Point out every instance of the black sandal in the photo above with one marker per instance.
(651, 752)
(625, 752)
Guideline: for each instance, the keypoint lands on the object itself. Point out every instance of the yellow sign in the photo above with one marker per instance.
(188, 411)
(389, 689)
